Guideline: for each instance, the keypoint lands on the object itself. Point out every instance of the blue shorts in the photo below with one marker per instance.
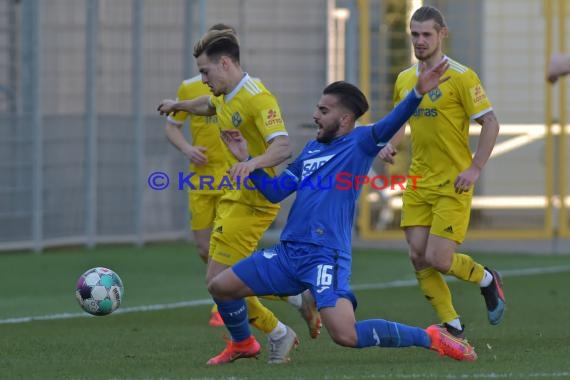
(289, 268)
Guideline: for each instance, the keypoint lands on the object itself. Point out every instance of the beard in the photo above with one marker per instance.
(329, 133)
(426, 54)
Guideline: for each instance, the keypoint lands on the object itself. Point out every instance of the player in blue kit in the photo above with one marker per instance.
(315, 248)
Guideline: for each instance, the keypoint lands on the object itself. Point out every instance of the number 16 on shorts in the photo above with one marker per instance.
(324, 277)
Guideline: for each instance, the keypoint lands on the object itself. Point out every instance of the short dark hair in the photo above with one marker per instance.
(222, 26)
(348, 96)
(216, 43)
(426, 13)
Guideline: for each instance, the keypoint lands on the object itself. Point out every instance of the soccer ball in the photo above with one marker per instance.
(99, 291)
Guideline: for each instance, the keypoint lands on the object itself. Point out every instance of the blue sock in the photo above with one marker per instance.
(234, 314)
(378, 332)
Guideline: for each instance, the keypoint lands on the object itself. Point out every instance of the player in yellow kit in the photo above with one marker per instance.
(207, 161)
(435, 214)
(243, 215)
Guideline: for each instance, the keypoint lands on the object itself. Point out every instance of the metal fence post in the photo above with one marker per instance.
(188, 40)
(139, 133)
(32, 109)
(91, 160)
(202, 18)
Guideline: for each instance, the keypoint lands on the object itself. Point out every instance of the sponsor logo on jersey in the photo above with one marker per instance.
(311, 165)
(426, 112)
(271, 117)
(478, 94)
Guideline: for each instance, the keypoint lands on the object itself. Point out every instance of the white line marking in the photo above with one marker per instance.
(134, 309)
(488, 375)
(503, 273)
(208, 301)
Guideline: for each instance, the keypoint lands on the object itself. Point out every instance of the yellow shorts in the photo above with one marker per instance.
(237, 231)
(203, 208)
(447, 214)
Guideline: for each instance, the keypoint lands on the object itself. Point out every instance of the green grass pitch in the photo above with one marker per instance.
(158, 333)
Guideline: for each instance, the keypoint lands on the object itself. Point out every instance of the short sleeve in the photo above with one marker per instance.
(473, 96)
(267, 116)
(182, 94)
(396, 96)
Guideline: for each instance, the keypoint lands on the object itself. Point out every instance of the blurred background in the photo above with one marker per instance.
(80, 81)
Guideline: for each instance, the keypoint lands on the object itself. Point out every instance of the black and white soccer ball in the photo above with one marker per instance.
(99, 291)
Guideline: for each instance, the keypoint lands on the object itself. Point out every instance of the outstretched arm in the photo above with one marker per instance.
(275, 189)
(278, 151)
(386, 128)
(198, 106)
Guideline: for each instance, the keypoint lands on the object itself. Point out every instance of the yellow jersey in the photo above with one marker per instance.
(440, 125)
(205, 132)
(252, 109)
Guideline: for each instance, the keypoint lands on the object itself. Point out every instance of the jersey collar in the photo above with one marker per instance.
(233, 93)
(418, 64)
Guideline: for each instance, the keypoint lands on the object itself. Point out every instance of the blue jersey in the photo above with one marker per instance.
(327, 190)
(328, 177)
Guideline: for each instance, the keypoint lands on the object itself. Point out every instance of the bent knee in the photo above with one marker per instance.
(418, 259)
(441, 263)
(344, 339)
(215, 288)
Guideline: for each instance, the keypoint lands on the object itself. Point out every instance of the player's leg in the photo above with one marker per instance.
(337, 303)
(346, 331)
(421, 213)
(202, 207)
(450, 223)
(268, 276)
(228, 292)
(236, 234)
(304, 303)
(202, 242)
(416, 220)
(439, 253)
(430, 280)
(255, 275)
